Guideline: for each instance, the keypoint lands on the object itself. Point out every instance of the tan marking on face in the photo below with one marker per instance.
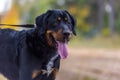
(66, 19)
(58, 35)
(48, 37)
(35, 73)
(55, 71)
(55, 24)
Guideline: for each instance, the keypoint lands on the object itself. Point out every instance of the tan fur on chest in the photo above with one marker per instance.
(35, 73)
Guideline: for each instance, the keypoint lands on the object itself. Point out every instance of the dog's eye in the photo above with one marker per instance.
(66, 19)
(59, 18)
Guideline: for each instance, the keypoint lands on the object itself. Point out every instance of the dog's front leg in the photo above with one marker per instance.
(25, 74)
(25, 70)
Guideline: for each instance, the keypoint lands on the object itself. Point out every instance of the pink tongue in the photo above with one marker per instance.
(63, 50)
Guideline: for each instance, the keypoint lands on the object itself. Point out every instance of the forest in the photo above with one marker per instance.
(94, 17)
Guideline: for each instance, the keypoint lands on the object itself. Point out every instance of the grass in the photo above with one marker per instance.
(88, 78)
(96, 42)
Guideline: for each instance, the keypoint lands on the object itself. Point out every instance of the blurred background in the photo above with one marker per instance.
(94, 54)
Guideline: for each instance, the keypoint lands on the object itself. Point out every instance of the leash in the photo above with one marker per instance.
(23, 25)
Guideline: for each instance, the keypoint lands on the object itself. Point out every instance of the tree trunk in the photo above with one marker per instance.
(111, 18)
(100, 14)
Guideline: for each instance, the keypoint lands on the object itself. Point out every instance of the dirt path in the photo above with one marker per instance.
(91, 64)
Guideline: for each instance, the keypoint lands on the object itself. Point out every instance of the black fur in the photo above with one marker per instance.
(22, 52)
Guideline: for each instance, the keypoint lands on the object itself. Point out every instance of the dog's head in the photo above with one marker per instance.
(58, 24)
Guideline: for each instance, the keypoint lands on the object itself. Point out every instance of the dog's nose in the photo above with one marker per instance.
(66, 34)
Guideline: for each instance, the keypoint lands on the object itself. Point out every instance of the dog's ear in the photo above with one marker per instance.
(73, 21)
(41, 22)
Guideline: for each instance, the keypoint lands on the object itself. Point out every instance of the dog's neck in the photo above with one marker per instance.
(38, 44)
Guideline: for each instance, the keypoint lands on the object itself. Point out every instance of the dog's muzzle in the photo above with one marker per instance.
(66, 36)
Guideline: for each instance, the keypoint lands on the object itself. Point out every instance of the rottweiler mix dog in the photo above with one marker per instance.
(35, 54)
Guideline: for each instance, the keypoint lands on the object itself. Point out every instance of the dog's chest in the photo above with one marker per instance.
(46, 69)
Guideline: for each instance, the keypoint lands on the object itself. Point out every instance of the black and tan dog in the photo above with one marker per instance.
(35, 54)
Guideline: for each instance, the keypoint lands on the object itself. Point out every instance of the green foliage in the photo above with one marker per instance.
(85, 12)
(117, 23)
(106, 32)
(37, 8)
(83, 2)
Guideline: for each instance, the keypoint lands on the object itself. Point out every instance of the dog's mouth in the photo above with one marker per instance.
(62, 43)
(62, 49)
